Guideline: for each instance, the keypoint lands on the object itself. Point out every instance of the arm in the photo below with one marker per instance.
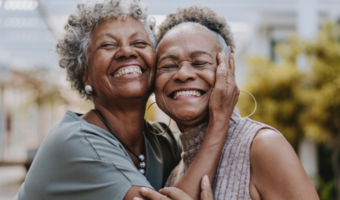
(276, 170)
(221, 105)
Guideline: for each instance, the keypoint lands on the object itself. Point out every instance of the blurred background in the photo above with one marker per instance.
(287, 56)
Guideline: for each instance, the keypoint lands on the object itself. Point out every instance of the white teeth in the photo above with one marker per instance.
(191, 93)
(128, 71)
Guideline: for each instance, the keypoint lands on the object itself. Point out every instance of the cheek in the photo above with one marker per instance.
(100, 61)
(149, 56)
(160, 82)
(209, 77)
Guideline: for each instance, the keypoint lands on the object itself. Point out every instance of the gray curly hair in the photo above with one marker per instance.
(198, 15)
(73, 47)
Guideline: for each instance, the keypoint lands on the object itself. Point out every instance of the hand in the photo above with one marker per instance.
(225, 93)
(172, 193)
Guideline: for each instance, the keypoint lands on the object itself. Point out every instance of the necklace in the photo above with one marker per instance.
(140, 158)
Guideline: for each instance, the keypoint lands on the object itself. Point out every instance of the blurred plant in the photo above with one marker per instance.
(301, 104)
(325, 189)
(275, 87)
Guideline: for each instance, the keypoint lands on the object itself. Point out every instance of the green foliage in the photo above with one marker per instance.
(325, 189)
(301, 103)
(275, 89)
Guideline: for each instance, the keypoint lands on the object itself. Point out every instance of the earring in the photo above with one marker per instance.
(147, 126)
(254, 108)
(88, 89)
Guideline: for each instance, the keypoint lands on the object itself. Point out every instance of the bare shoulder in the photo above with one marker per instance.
(276, 170)
(268, 142)
(271, 150)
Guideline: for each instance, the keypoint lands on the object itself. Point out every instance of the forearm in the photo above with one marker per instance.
(207, 158)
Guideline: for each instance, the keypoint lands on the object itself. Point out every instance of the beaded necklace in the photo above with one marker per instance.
(140, 158)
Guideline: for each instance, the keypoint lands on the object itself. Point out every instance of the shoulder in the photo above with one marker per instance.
(73, 136)
(275, 168)
(269, 144)
(83, 160)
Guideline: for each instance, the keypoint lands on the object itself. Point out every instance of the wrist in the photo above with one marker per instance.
(218, 124)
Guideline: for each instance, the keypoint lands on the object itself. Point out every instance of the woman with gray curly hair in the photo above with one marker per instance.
(109, 153)
(257, 162)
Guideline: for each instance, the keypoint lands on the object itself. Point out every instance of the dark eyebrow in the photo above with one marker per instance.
(197, 53)
(168, 56)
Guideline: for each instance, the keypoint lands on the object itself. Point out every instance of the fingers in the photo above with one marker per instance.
(221, 72)
(232, 61)
(175, 193)
(151, 194)
(206, 191)
(222, 58)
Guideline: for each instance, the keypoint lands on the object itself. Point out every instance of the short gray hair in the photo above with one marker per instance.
(200, 15)
(223, 45)
(73, 47)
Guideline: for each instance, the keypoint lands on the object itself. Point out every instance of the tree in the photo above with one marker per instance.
(321, 119)
(275, 87)
(301, 104)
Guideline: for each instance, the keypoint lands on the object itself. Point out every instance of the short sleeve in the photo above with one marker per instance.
(82, 164)
(114, 156)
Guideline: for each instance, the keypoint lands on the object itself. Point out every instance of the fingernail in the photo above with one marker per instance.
(222, 66)
(144, 190)
(206, 180)
(137, 198)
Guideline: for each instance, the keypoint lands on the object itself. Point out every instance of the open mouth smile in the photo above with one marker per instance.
(186, 94)
(128, 70)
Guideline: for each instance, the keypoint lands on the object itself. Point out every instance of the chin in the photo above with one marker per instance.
(137, 92)
(189, 117)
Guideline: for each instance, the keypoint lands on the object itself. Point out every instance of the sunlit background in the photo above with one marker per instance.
(287, 56)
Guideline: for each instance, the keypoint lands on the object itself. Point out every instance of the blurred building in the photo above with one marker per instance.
(29, 30)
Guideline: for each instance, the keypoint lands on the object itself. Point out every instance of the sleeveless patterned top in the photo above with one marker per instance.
(233, 172)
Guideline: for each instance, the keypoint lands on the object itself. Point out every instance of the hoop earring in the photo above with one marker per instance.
(146, 122)
(88, 89)
(254, 108)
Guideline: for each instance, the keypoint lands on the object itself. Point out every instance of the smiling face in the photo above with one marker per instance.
(121, 61)
(187, 61)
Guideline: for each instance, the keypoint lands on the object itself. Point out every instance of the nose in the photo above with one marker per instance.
(185, 73)
(126, 52)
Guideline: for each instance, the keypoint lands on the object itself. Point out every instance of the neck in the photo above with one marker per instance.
(188, 125)
(126, 121)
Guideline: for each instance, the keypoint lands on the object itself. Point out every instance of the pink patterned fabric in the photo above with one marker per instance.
(233, 172)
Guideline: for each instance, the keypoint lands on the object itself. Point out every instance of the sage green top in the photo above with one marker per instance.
(80, 161)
